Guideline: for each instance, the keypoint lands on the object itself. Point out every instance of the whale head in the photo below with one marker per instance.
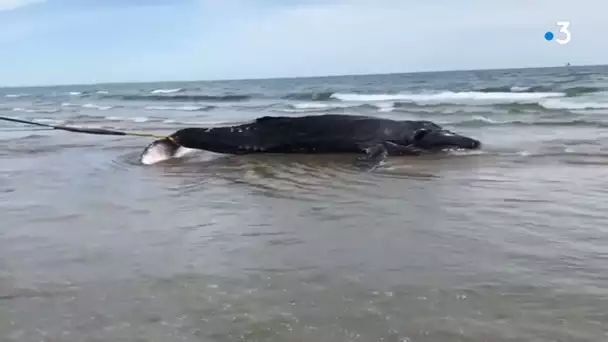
(432, 137)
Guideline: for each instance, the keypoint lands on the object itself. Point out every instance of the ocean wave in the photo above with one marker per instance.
(314, 107)
(113, 118)
(181, 108)
(481, 121)
(94, 106)
(182, 98)
(310, 96)
(95, 119)
(514, 89)
(519, 107)
(86, 105)
(84, 120)
(35, 110)
(14, 96)
(564, 104)
(449, 97)
(571, 156)
(26, 137)
(571, 105)
(99, 119)
(166, 91)
(573, 91)
(49, 121)
(311, 106)
(438, 102)
(117, 122)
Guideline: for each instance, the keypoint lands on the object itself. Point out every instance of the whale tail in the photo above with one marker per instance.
(161, 150)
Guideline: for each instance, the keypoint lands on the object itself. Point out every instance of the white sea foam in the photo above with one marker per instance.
(572, 105)
(385, 107)
(75, 93)
(484, 119)
(312, 105)
(102, 92)
(316, 107)
(448, 97)
(467, 152)
(191, 108)
(94, 106)
(140, 119)
(179, 108)
(524, 153)
(40, 110)
(159, 108)
(14, 95)
(19, 109)
(166, 91)
(518, 89)
(48, 121)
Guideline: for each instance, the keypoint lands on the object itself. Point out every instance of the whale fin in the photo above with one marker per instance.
(401, 150)
(375, 154)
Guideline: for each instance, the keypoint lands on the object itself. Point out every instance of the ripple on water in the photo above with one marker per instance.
(305, 306)
(300, 177)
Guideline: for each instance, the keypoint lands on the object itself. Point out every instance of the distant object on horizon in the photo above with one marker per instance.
(568, 64)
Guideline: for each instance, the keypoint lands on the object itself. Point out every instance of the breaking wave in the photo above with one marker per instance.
(572, 105)
(166, 91)
(182, 98)
(482, 121)
(320, 96)
(181, 108)
(449, 97)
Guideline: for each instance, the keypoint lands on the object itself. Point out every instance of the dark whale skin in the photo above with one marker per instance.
(332, 133)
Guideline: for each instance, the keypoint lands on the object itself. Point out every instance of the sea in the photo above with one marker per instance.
(508, 243)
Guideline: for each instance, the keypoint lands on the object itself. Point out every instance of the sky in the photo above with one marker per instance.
(94, 41)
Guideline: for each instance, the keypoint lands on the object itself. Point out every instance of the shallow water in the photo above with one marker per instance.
(504, 245)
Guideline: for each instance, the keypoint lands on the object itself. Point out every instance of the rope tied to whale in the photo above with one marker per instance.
(98, 131)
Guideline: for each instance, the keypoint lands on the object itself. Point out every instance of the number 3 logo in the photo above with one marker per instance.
(564, 29)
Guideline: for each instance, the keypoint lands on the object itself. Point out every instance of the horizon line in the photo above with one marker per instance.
(295, 77)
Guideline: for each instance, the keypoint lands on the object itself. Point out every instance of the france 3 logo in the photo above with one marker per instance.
(565, 33)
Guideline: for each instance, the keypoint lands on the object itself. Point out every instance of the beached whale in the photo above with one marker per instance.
(374, 138)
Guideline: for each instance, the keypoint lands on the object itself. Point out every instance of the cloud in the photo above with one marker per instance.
(9, 5)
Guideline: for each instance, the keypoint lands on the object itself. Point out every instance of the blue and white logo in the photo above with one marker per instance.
(549, 36)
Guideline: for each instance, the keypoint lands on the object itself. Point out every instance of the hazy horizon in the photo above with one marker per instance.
(293, 77)
(70, 42)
